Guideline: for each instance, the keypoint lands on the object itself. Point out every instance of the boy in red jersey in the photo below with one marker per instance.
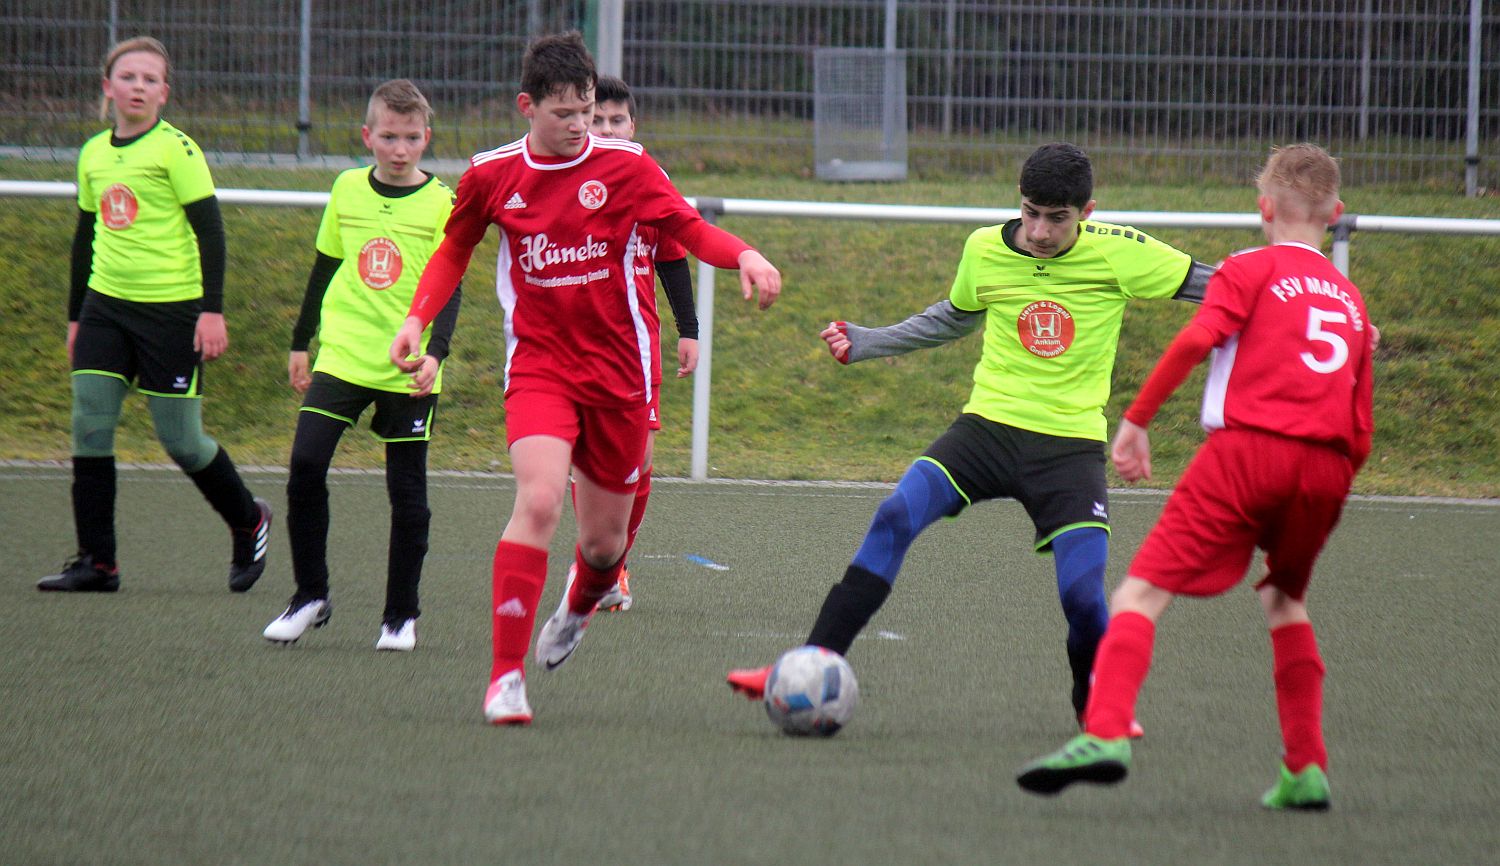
(614, 117)
(578, 364)
(1288, 408)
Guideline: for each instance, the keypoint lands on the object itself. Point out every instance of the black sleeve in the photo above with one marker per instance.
(203, 215)
(443, 324)
(677, 281)
(312, 301)
(83, 262)
(1195, 284)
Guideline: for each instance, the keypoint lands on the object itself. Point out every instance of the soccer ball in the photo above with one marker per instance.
(811, 690)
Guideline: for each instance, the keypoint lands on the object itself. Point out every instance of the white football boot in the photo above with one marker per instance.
(505, 700)
(560, 634)
(297, 618)
(399, 638)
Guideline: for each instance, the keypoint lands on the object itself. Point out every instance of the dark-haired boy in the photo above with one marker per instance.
(1289, 410)
(578, 384)
(656, 255)
(1050, 288)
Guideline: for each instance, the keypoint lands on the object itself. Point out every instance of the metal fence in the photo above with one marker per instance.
(1405, 91)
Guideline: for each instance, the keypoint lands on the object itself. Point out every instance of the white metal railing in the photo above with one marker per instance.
(713, 208)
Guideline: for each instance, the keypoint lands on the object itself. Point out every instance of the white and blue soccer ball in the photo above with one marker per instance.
(811, 691)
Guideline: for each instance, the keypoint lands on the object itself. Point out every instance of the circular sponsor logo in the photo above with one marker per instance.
(380, 263)
(592, 194)
(1045, 328)
(118, 207)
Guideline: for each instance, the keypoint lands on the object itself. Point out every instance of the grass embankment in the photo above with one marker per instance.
(781, 407)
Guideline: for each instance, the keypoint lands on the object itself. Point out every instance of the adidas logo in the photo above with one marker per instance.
(181, 382)
(515, 202)
(511, 608)
(1099, 511)
(653, 415)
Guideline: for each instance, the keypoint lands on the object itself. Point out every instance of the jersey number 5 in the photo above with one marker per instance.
(1316, 319)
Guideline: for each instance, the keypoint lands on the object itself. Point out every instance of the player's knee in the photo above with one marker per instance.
(539, 512)
(189, 452)
(893, 519)
(411, 520)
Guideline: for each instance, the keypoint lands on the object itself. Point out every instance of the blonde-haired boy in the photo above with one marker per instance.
(382, 224)
(1288, 410)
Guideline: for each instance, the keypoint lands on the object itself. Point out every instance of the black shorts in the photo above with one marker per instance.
(148, 344)
(398, 417)
(1058, 479)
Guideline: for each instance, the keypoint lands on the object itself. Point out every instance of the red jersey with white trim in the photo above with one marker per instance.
(1292, 348)
(650, 249)
(570, 232)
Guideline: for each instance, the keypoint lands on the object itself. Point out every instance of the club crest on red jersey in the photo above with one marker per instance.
(380, 263)
(118, 207)
(592, 194)
(1045, 328)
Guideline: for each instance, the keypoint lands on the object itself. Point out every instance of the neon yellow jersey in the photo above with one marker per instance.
(144, 248)
(384, 243)
(1052, 325)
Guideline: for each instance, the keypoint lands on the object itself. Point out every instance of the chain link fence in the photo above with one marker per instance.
(1404, 91)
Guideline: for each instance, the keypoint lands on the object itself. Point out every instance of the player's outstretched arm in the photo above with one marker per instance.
(938, 324)
(1195, 285)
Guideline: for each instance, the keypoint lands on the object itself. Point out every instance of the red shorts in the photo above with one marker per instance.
(608, 441)
(1243, 490)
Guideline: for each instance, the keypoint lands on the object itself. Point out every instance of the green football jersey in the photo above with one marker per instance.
(144, 248)
(1052, 325)
(384, 243)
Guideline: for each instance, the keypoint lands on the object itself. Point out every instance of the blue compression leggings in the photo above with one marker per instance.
(923, 495)
(1080, 555)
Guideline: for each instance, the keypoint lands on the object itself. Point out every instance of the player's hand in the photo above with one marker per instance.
(757, 274)
(1374, 337)
(72, 338)
(407, 347)
(687, 357)
(298, 371)
(837, 339)
(210, 337)
(424, 377)
(1131, 452)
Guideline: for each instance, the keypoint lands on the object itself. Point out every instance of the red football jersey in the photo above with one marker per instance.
(570, 238)
(1292, 348)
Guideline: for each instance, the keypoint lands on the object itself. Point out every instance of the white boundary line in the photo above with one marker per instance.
(63, 466)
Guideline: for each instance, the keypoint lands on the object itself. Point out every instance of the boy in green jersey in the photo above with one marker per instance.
(1050, 289)
(146, 307)
(381, 225)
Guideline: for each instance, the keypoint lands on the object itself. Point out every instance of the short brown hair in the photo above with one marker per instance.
(127, 46)
(1301, 176)
(399, 96)
(555, 62)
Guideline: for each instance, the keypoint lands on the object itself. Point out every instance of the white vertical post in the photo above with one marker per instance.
(304, 83)
(1342, 231)
(611, 59)
(703, 375)
(1471, 150)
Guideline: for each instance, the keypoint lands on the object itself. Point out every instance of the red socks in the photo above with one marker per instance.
(1120, 668)
(1299, 695)
(638, 509)
(591, 583)
(518, 576)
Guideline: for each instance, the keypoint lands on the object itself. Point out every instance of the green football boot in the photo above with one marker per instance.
(1085, 758)
(1305, 790)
